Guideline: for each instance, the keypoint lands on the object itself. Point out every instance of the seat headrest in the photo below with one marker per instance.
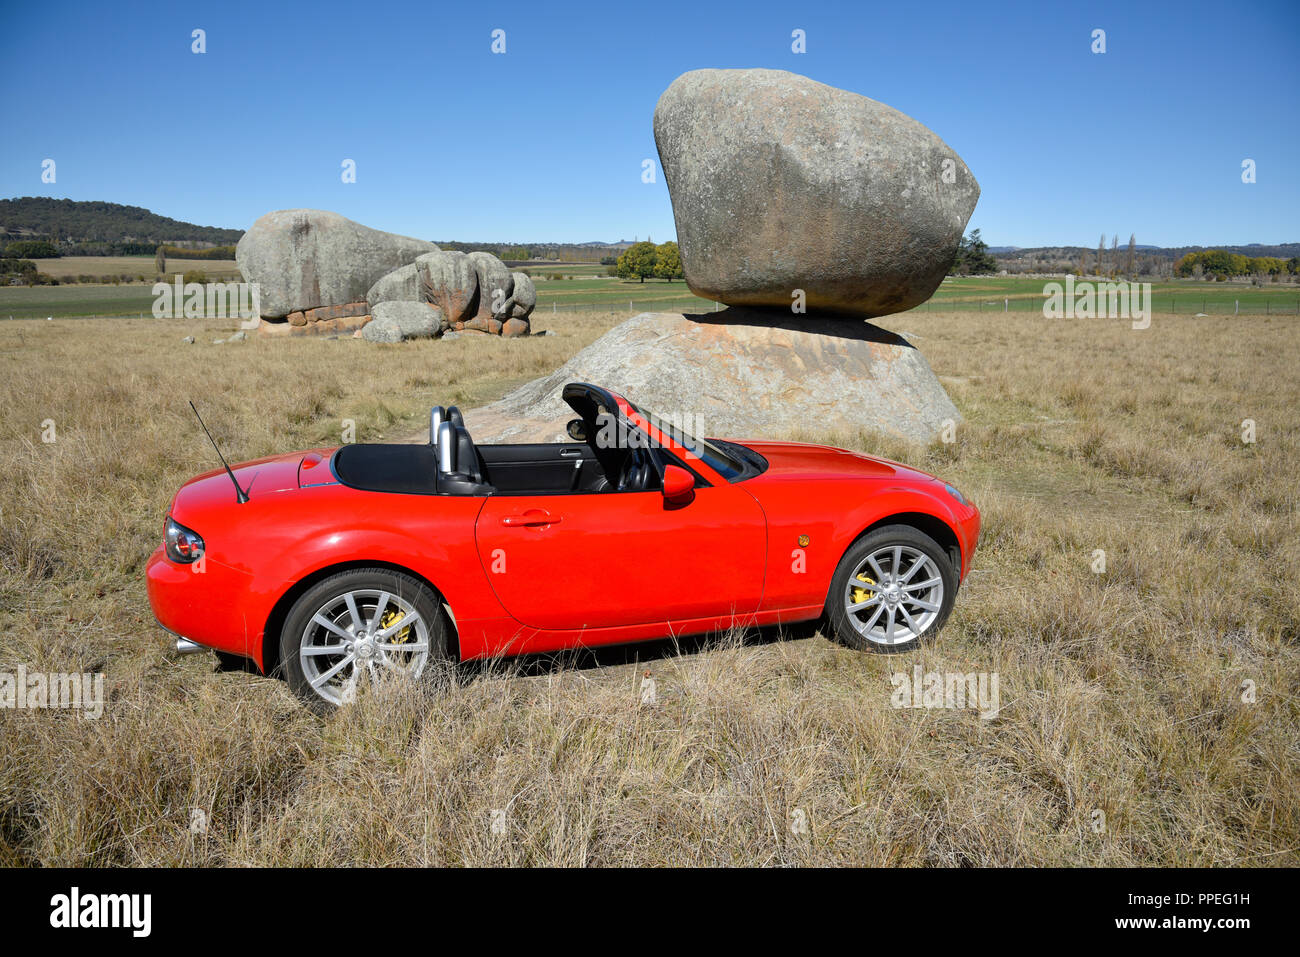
(446, 448)
(436, 417)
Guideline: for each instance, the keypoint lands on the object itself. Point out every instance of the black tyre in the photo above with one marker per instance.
(357, 624)
(892, 589)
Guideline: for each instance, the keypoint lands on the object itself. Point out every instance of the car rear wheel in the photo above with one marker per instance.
(361, 625)
(892, 589)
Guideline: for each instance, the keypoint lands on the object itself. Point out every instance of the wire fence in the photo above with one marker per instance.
(1162, 304)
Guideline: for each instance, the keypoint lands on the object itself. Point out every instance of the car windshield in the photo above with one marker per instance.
(720, 459)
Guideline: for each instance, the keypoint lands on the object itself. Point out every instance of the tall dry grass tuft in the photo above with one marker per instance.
(1122, 735)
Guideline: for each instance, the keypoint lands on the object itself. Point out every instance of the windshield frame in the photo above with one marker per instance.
(714, 454)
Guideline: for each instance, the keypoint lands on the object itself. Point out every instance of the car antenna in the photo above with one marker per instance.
(240, 495)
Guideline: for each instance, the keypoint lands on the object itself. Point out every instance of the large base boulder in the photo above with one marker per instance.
(741, 374)
(305, 258)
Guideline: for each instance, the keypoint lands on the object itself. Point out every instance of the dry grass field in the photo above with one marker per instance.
(1121, 692)
(134, 266)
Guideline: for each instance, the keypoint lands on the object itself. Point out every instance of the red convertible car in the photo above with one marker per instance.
(329, 565)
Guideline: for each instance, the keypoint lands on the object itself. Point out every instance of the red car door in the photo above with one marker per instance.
(623, 558)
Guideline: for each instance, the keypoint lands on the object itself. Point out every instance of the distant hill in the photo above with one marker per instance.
(75, 221)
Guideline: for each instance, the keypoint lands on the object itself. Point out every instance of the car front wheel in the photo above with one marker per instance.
(360, 625)
(893, 588)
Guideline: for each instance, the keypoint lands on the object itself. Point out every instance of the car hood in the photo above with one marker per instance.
(798, 460)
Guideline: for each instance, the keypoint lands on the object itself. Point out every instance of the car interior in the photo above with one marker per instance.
(451, 464)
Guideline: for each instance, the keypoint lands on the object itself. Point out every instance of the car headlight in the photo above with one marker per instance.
(183, 545)
(952, 490)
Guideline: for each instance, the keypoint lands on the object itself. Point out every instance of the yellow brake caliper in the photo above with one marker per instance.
(862, 594)
(391, 617)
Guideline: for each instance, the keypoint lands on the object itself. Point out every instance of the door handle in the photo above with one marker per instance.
(568, 453)
(530, 518)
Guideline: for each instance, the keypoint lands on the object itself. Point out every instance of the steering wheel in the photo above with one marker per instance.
(635, 473)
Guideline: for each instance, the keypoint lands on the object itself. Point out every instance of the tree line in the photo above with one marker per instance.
(44, 249)
(973, 257)
(645, 260)
(1219, 265)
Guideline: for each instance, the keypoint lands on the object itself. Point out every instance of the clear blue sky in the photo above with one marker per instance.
(546, 142)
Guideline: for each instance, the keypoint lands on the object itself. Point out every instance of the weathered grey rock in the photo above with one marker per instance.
(781, 183)
(403, 284)
(449, 280)
(744, 373)
(523, 297)
(410, 320)
(495, 285)
(400, 285)
(188, 340)
(382, 330)
(304, 258)
(450, 336)
(240, 336)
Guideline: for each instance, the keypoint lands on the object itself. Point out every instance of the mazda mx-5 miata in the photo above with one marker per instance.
(333, 565)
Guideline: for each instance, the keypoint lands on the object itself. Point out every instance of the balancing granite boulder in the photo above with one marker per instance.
(306, 258)
(780, 183)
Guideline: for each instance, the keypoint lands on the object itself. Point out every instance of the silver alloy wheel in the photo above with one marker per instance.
(894, 595)
(358, 633)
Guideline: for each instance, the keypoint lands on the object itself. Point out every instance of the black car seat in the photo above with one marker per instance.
(460, 470)
(467, 459)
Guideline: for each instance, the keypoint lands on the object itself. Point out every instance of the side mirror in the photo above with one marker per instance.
(678, 487)
(577, 430)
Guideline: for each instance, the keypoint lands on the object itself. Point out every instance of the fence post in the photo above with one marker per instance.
(1236, 306)
(1006, 304)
